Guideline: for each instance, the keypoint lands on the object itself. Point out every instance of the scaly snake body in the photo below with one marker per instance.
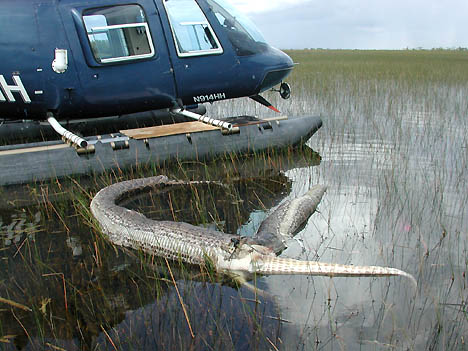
(228, 253)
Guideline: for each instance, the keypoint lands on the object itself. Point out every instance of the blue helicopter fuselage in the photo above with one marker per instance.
(85, 59)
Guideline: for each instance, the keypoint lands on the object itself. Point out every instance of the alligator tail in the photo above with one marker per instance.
(270, 265)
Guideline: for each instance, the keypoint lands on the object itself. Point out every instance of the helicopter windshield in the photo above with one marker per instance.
(242, 33)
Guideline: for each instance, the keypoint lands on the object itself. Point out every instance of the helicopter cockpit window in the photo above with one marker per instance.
(242, 33)
(191, 30)
(118, 33)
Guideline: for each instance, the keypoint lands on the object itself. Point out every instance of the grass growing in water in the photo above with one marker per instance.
(90, 295)
(394, 156)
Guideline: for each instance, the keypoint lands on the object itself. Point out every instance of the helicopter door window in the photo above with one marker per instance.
(191, 30)
(118, 33)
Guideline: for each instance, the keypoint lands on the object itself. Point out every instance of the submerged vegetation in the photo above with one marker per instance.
(393, 152)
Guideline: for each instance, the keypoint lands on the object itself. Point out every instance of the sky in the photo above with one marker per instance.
(360, 24)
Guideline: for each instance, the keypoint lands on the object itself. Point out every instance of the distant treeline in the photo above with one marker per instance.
(405, 49)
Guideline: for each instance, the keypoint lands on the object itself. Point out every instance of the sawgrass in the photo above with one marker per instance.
(394, 156)
(393, 153)
(80, 287)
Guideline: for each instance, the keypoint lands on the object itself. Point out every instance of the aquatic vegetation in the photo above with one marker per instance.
(393, 152)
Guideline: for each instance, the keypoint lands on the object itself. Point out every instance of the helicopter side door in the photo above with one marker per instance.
(204, 68)
(120, 54)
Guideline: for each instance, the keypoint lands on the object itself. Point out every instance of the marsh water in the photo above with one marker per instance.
(393, 153)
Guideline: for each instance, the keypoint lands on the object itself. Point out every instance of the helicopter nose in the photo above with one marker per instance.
(278, 66)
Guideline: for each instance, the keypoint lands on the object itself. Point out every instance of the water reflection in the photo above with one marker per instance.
(395, 153)
(17, 226)
(86, 294)
(398, 200)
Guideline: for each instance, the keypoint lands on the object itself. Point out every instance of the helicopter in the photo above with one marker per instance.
(71, 63)
(70, 59)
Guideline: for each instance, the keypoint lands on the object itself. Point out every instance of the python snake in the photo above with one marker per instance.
(228, 253)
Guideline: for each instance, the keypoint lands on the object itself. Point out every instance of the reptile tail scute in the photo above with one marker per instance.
(270, 265)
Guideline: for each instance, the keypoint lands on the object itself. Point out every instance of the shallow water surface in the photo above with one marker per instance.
(393, 153)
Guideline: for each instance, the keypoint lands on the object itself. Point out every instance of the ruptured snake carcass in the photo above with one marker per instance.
(228, 253)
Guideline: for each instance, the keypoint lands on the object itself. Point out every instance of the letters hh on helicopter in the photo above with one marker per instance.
(78, 60)
(85, 59)
(10, 89)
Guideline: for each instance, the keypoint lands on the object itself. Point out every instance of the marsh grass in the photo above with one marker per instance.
(393, 152)
(87, 294)
(394, 156)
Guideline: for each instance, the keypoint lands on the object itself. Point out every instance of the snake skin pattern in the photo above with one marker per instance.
(228, 253)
